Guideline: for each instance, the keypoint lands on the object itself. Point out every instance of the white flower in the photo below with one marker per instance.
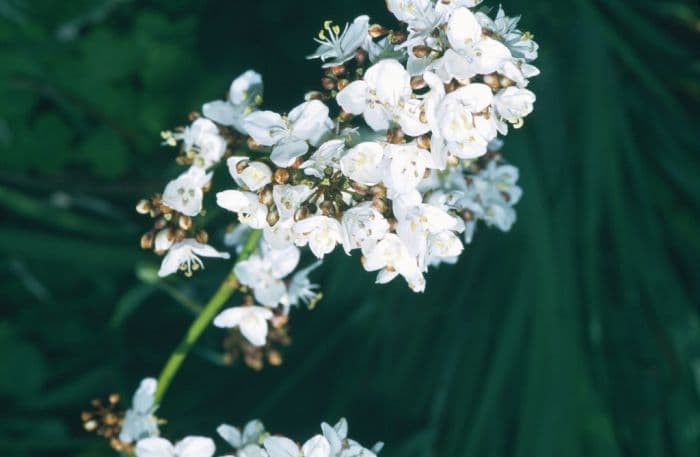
(521, 44)
(363, 226)
(363, 163)
(404, 166)
(246, 204)
(321, 233)
(385, 87)
(479, 54)
(391, 257)
(244, 95)
(278, 446)
(287, 198)
(192, 446)
(164, 239)
(279, 236)
(341, 445)
(336, 48)
(245, 442)
(513, 104)
(263, 273)
(290, 137)
(421, 16)
(201, 142)
(193, 134)
(300, 289)
(460, 127)
(139, 421)
(183, 256)
(184, 193)
(255, 175)
(251, 320)
(327, 156)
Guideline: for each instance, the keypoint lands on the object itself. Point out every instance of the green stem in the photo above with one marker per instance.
(210, 310)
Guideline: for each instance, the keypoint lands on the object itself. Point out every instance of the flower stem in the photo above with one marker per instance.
(210, 310)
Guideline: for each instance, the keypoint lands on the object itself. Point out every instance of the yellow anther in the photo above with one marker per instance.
(336, 29)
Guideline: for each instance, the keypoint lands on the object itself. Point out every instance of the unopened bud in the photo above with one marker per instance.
(114, 399)
(360, 56)
(313, 95)
(395, 135)
(143, 206)
(273, 216)
(241, 166)
(380, 204)
(327, 83)
(378, 191)
(418, 83)
(274, 358)
(147, 240)
(90, 426)
(281, 176)
(253, 145)
(184, 222)
(160, 223)
(492, 81)
(360, 188)
(342, 84)
(301, 213)
(265, 196)
(326, 207)
(338, 70)
(344, 116)
(376, 31)
(180, 235)
(421, 51)
(467, 215)
(202, 236)
(506, 82)
(424, 142)
(397, 37)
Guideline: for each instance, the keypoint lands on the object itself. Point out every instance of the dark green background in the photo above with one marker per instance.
(577, 334)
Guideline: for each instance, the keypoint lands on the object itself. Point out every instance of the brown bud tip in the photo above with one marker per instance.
(265, 196)
(424, 142)
(418, 83)
(202, 236)
(147, 240)
(301, 213)
(273, 216)
(376, 31)
(395, 135)
(326, 207)
(342, 84)
(345, 116)
(360, 56)
(253, 145)
(360, 188)
(378, 191)
(143, 206)
(467, 215)
(241, 166)
(506, 82)
(274, 358)
(114, 399)
(338, 70)
(193, 116)
(313, 95)
(180, 235)
(281, 176)
(421, 51)
(327, 83)
(397, 37)
(492, 81)
(184, 222)
(380, 204)
(90, 426)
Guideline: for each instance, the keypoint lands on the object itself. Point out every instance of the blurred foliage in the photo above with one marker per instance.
(577, 334)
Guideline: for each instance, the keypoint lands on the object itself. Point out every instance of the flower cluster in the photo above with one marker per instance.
(396, 155)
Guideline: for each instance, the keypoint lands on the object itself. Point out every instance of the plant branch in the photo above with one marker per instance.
(210, 310)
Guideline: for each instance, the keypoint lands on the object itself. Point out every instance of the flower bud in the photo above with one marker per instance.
(313, 95)
(147, 240)
(180, 235)
(360, 188)
(327, 83)
(397, 37)
(424, 142)
(342, 84)
(326, 207)
(202, 236)
(301, 213)
(253, 145)
(376, 31)
(241, 166)
(492, 81)
(395, 136)
(380, 204)
(418, 83)
(281, 176)
(274, 358)
(421, 51)
(184, 222)
(338, 70)
(143, 206)
(273, 216)
(378, 191)
(265, 196)
(506, 82)
(360, 56)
